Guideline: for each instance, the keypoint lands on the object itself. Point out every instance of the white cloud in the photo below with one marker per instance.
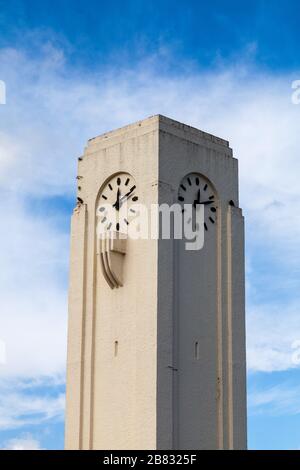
(30, 403)
(25, 442)
(271, 339)
(278, 400)
(34, 255)
(52, 109)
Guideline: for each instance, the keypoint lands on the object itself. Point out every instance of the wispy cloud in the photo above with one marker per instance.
(273, 337)
(24, 404)
(24, 442)
(34, 254)
(278, 400)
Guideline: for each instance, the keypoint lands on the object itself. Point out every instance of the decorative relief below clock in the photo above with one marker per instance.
(114, 213)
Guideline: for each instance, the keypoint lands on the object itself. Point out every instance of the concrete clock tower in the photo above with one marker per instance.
(156, 344)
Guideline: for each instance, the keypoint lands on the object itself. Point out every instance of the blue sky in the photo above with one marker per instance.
(76, 69)
(199, 31)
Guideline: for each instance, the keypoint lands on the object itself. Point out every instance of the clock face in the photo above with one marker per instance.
(194, 189)
(114, 210)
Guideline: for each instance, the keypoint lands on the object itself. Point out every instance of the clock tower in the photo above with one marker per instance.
(156, 342)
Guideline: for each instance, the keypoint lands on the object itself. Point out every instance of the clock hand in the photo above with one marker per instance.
(206, 202)
(116, 205)
(123, 198)
(197, 201)
(127, 195)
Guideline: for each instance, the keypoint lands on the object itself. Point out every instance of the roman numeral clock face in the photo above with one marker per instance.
(114, 209)
(194, 189)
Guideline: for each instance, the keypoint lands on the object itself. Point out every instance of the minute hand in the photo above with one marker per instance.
(117, 203)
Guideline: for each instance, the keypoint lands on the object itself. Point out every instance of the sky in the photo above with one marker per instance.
(75, 69)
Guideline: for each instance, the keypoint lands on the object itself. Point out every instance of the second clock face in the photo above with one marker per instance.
(114, 207)
(194, 189)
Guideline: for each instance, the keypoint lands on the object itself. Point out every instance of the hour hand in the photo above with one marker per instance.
(206, 202)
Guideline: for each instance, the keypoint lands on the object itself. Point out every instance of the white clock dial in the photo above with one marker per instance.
(114, 210)
(194, 189)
